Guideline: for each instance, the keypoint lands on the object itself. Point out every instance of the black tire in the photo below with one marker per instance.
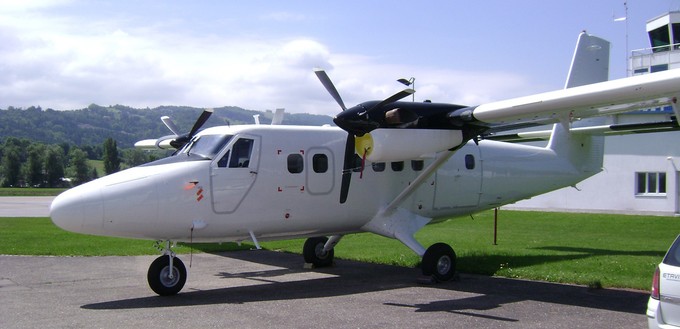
(158, 276)
(313, 252)
(439, 262)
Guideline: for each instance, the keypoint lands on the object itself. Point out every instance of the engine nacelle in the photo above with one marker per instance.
(406, 144)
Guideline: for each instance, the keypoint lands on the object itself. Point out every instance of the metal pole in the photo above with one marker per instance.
(495, 225)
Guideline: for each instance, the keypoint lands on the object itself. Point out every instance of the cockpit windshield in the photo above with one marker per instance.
(206, 146)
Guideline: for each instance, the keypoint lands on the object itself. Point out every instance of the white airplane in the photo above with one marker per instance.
(389, 168)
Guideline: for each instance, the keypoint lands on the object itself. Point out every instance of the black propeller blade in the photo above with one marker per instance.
(180, 141)
(328, 84)
(347, 168)
(350, 121)
(392, 99)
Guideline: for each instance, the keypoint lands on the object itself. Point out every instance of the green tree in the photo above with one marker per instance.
(78, 169)
(33, 168)
(135, 157)
(54, 165)
(11, 166)
(111, 160)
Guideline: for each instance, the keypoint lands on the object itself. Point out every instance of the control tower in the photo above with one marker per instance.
(664, 39)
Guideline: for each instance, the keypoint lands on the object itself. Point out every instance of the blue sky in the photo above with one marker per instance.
(67, 54)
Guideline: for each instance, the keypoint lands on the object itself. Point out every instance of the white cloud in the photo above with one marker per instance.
(66, 63)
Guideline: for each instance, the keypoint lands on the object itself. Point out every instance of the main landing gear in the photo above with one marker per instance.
(167, 274)
(438, 262)
(318, 251)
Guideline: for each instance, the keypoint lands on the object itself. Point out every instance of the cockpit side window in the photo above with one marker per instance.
(239, 155)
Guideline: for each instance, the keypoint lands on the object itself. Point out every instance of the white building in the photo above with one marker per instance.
(641, 173)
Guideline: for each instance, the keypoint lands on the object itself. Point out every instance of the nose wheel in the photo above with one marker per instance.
(167, 275)
(439, 262)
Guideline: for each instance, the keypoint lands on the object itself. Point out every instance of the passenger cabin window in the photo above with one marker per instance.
(320, 163)
(469, 161)
(378, 166)
(238, 156)
(295, 163)
(397, 166)
(417, 165)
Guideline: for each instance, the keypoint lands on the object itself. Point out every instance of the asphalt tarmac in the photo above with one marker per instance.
(25, 206)
(265, 289)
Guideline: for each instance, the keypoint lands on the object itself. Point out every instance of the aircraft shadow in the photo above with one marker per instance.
(350, 277)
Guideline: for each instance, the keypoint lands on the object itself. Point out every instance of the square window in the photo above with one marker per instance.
(295, 163)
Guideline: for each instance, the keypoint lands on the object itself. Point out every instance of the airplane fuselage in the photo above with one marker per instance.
(284, 181)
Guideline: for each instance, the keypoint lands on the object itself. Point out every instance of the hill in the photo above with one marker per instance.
(92, 125)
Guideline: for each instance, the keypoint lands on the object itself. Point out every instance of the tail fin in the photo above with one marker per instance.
(590, 64)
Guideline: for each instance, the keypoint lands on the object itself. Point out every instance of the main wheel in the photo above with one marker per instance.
(313, 252)
(439, 262)
(160, 280)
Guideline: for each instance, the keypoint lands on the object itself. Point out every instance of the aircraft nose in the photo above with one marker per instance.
(79, 209)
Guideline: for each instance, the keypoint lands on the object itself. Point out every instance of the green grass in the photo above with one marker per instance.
(97, 164)
(39, 236)
(589, 249)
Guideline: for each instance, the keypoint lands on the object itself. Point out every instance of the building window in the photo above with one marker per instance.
(650, 183)
(295, 163)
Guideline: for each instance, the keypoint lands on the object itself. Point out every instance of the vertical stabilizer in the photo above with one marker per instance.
(589, 65)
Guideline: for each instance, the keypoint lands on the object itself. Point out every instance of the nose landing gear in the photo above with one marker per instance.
(167, 274)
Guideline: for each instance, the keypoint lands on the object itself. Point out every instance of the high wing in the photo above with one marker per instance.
(609, 97)
(403, 121)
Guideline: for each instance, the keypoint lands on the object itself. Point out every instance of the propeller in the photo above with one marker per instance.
(180, 140)
(347, 120)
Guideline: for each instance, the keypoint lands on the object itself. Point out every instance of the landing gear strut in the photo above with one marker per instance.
(167, 274)
(439, 262)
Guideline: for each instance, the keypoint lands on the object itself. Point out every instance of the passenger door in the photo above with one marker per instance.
(320, 175)
(459, 181)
